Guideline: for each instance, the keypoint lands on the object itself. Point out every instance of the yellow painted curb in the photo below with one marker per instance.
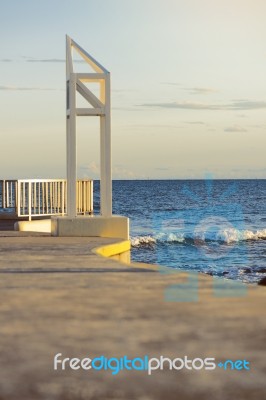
(114, 249)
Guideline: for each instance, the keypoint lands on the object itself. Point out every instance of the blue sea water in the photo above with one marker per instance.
(217, 227)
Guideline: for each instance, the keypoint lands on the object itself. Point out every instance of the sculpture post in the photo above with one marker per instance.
(96, 107)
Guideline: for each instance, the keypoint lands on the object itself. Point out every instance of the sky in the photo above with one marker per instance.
(188, 87)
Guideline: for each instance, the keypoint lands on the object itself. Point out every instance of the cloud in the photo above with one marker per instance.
(200, 90)
(182, 105)
(149, 126)
(121, 108)
(45, 60)
(52, 60)
(119, 171)
(91, 170)
(18, 88)
(247, 105)
(42, 60)
(235, 128)
(195, 122)
(192, 90)
(237, 105)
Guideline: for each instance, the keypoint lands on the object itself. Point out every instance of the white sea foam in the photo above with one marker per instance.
(234, 235)
(171, 237)
(141, 240)
(229, 235)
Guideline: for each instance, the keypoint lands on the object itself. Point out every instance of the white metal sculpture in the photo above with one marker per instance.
(75, 82)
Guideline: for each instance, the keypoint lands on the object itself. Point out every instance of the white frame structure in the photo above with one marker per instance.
(97, 107)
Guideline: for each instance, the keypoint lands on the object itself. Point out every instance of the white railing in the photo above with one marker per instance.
(40, 197)
(8, 191)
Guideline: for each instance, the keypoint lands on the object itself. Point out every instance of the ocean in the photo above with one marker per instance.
(217, 227)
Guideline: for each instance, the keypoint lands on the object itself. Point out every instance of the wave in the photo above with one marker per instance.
(225, 236)
(142, 240)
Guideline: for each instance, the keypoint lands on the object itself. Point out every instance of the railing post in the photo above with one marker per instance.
(18, 198)
(7, 194)
(29, 200)
(91, 196)
(34, 198)
(4, 194)
(63, 198)
(84, 197)
(11, 194)
(39, 197)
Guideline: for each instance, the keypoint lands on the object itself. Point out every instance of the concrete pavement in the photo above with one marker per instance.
(58, 296)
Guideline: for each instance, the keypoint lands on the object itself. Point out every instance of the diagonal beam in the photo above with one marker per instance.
(88, 58)
(88, 95)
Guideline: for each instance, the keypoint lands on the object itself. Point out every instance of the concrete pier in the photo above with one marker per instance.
(58, 296)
